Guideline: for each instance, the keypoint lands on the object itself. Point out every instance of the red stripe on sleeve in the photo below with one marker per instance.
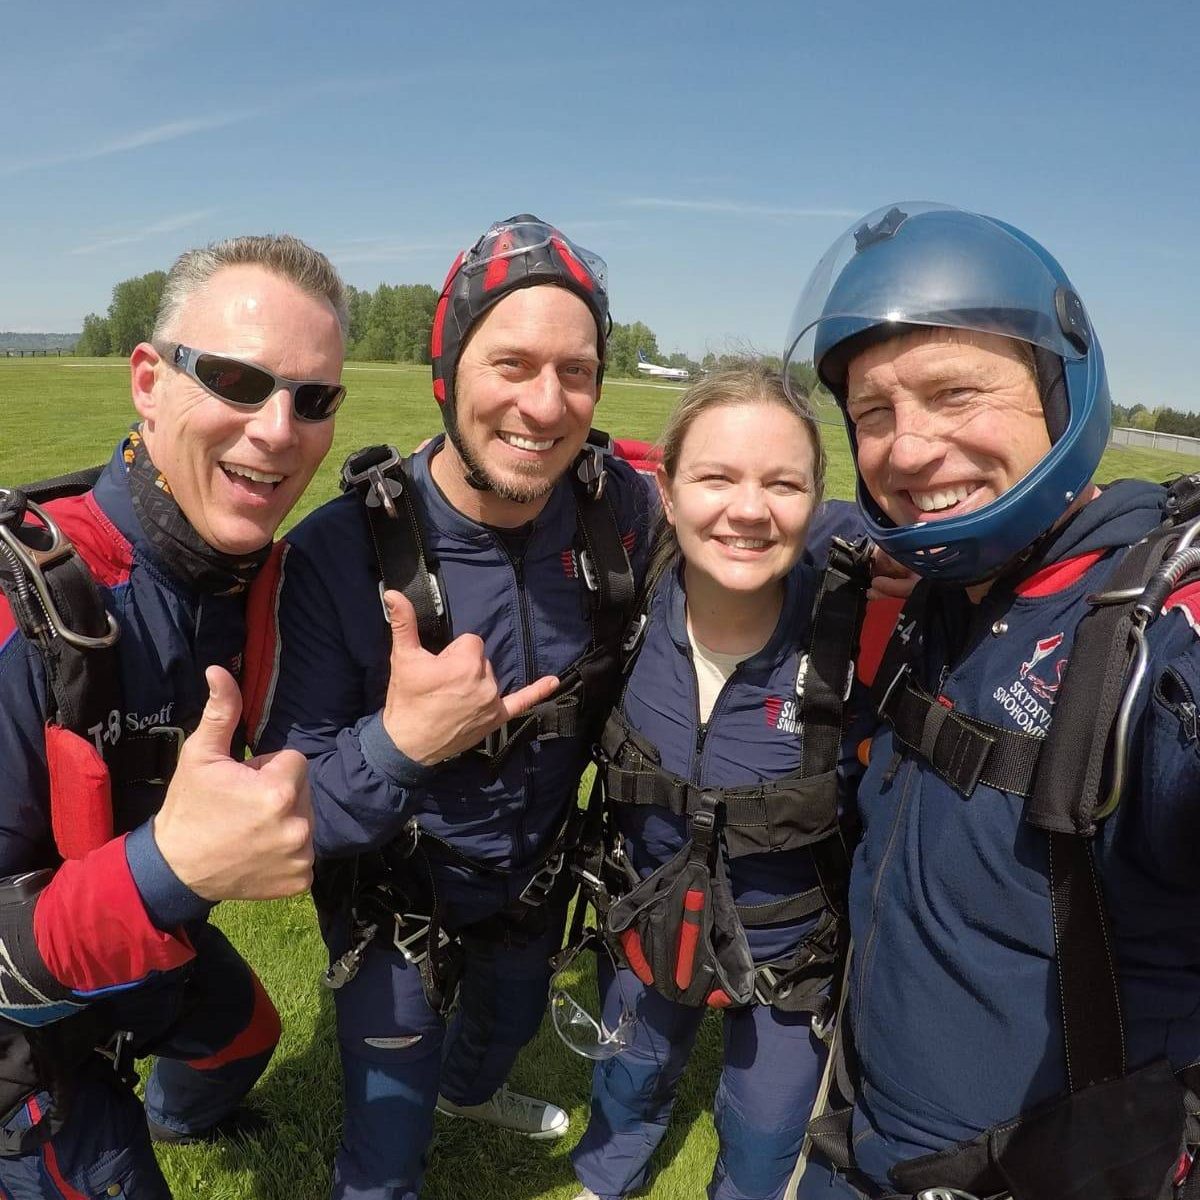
(260, 1035)
(92, 929)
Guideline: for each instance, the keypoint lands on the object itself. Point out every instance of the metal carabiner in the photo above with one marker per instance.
(35, 562)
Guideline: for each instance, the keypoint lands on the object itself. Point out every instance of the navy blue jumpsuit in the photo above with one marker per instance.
(116, 927)
(772, 1060)
(953, 998)
(326, 633)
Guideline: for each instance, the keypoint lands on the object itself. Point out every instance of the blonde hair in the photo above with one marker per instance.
(751, 383)
(281, 254)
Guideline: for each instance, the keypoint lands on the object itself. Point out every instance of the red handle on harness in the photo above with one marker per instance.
(689, 937)
(631, 943)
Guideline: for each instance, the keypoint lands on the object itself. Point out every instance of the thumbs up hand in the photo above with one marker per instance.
(233, 830)
(438, 705)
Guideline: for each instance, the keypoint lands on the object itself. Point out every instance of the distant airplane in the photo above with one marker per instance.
(646, 367)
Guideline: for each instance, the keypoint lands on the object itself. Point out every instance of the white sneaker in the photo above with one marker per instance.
(536, 1119)
(586, 1194)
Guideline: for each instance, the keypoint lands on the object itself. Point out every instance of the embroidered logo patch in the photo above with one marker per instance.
(781, 714)
(1027, 699)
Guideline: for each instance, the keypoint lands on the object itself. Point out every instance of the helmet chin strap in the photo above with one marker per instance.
(472, 474)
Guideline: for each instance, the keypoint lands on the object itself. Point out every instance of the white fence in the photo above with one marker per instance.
(1149, 439)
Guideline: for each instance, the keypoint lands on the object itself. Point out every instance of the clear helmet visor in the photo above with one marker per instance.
(924, 265)
(514, 239)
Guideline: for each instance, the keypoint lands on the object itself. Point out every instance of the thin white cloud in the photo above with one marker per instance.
(381, 250)
(734, 208)
(143, 232)
(385, 249)
(169, 131)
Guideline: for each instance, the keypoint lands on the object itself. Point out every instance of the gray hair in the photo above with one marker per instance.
(281, 254)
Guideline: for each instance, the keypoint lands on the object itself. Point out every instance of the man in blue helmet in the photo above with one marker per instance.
(514, 546)
(1023, 1009)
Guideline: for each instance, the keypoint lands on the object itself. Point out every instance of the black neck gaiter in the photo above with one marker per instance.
(184, 552)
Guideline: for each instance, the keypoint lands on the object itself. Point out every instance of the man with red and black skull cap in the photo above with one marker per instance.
(443, 773)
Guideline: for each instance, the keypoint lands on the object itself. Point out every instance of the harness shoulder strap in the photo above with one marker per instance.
(59, 609)
(604, 558)
(828, 667)
(396, 521)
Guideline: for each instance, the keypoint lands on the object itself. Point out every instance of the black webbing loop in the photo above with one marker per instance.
(964, 751)
(73, 483)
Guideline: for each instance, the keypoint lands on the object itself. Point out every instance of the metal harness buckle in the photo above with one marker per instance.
(411, 936)
(179, 736)
(31, 563)
(496, 743)
(119, 1052)
(537, 891)
(591, 471)
(384, 490)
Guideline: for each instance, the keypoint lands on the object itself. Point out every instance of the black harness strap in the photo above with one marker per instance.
(788, 813)
(73, 483)
(1066, 794)
(397, 524)
(963, 750)
(829, 665)
(1065, 799)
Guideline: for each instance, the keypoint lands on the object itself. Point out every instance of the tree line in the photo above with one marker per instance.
(1160, 420)
(389, 324)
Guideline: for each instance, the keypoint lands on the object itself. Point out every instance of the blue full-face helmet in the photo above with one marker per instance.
(920, 264)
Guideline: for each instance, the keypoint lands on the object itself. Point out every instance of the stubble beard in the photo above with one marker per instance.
(536, 488)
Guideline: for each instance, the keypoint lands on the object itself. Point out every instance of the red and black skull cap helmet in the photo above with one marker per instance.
(522, 251)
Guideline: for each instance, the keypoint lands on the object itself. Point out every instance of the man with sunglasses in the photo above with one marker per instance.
(110, 871)
(428, 837)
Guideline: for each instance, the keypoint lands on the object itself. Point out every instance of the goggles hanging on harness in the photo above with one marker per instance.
(577, 1029)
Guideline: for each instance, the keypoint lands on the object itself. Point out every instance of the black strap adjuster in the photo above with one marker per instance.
(591, 472)
(374, 471)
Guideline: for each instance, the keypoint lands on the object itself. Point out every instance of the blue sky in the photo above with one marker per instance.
(709, 151)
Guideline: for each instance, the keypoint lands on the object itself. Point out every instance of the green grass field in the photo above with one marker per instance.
(60, 414)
